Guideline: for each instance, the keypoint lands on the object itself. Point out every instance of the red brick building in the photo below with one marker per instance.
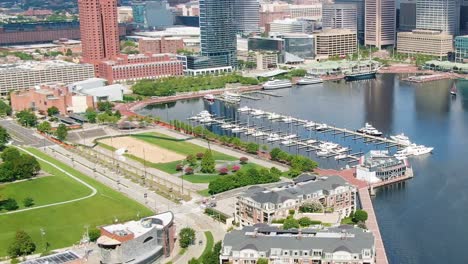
(99, 29)
(162, 45)
(48, 96)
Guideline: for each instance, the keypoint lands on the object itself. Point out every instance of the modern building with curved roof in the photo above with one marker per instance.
(138, 242)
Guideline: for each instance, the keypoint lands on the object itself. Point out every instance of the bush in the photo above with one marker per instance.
(22, 245)
(200, 156)
(191, 160)
(243, 160)
(179, 167)
(188, 171)
(306, 221)
(252, 148)
(290, 223)
(311, 208)
(293, 173)
(360, 216)
(278, 221)
(94, 234)
(186, 237)
(10, 204)
(291, 211)
(28, 202)
(235, 168)
(223, 171)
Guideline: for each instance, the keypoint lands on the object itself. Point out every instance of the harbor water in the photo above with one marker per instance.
(421, 221)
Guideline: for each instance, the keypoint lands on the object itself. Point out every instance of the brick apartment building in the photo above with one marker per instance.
(260, 205)
(162, 45)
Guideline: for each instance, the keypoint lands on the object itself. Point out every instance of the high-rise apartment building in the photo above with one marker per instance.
(443, 15)
(464, 17)
(380, 23)
(407, 15)
(99, 29)
(218, 30)
(340, 16)
(360, 16)
(247, 15)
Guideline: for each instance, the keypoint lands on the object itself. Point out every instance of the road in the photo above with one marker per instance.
(22, 136)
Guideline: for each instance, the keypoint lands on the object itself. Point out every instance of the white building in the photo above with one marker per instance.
(27, 74)
(97, 88)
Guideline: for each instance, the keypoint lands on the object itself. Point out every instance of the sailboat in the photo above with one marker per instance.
(361, 74)
(453, 90)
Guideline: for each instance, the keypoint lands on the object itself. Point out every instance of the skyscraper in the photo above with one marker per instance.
(247, 16)
(443, 15)
(380, 23)
(360, 16)
(218, 30)
(407, 15)
(99, 29)
(340, 16)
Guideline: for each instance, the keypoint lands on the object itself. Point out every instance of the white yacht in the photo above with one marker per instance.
(309, 80)
(341, 156)
(237, 129)
(311, 141)
(322, 153)
(273, 137)
(310, 124)
(341, 150)
(415, 150)
(368, 129)
(258, 112)
(209, 97)
(328, 146)
(258, 134)
(206, 120)
(287, 119)
(286, 142)
(231, 97)
(321, 127)
(250, 131)
(244, 109)
(277, 84)
(226, 126)
(273, 116)
(401, 139)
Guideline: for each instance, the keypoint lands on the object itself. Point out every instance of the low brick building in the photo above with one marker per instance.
(45, 96)
(161, 45)
(260, 205)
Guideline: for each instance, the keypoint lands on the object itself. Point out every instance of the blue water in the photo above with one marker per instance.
(422, 221)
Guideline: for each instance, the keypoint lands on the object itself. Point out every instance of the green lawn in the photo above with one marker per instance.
(204, 193)
(208, 245)
(65, 224)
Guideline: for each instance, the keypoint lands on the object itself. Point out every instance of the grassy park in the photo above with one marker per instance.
(64, 224)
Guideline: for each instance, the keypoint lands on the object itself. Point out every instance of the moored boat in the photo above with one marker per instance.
(277, 84)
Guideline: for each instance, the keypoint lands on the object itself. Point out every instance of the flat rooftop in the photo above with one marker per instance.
(171, 32)
(138, 228)
(35, 65)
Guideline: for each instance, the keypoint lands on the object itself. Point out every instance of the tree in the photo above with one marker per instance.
(28, 202)
(22, 245)
(262, 261)
(274, 153)
(194, 261)
(94, 234)
(53, 110)
(69, 52)
(4, 137)
(105, 106)
(360, 216)
(290, 223)
(91, 115)
(44, 127)
(61, 132)
(27, 118)
(5, 109)
(186, 237)
(191, 160)
(117, 114)
(10, 154)
(208, 163)
(10, 204)
(252, 148)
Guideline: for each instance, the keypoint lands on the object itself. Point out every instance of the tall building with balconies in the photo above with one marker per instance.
(443, 15)
(360, 16)
(380, 23)
(218, 30)
(99, 29)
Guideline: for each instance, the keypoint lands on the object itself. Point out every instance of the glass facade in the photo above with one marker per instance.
(360, 15)
(461, 49)
(138, 10)
(158, 14)
(443, 15)
(247, 15)
(204, 62)
(218, 30)
(266, 44)
(303, 47)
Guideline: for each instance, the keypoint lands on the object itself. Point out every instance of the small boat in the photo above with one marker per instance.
(206, 120)
(258, 134)
(310, 124)
(341, 156)
(321, 127)
(328, 146)
(362, 75)
(453, 90)
(277, 84)
(231, 97)
(237, 129)
(244, 109)
(250, 131)
(290, 136)
(322, 153)
(401, 139)
(287, 119)
(311, 141)
(286, 142)
(209, 97)
(415, 150)
(273, 116)
(258, 112)
(368, 129)
(341, 150)
(309, 80)
(226, 126)
(273, 137)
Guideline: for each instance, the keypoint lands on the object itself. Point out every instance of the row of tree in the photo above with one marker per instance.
(17, 166)
(297, 163)
(244, 178)
(172, 85)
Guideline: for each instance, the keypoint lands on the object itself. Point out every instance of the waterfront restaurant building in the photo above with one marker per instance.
(377, 166)
(342, 244)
